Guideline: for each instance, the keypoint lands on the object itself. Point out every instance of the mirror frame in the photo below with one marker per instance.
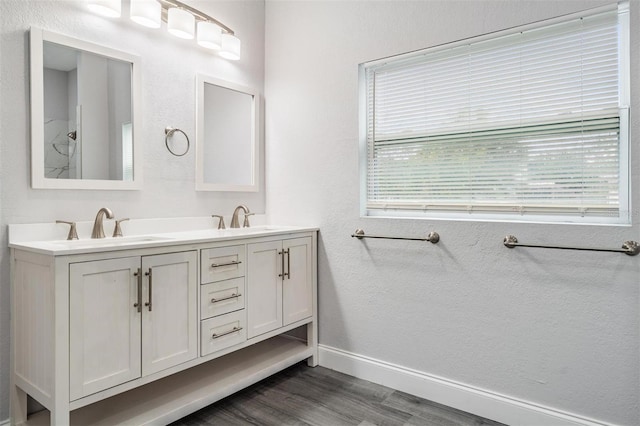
(37, 38)
(201, 185)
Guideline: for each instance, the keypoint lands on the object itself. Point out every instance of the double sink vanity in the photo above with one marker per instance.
(152, 326)
(167, 315)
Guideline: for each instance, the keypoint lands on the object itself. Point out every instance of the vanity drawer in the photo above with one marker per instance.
(222, 332)
(221, 263)
(221, 297)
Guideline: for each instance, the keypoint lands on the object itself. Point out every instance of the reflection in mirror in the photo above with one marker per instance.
(226, 139)
(83, 108)
(87, 115)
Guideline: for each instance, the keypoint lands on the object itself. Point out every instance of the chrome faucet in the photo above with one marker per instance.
(221, 222)
(98, 229)
(234, 218)
(73, 233)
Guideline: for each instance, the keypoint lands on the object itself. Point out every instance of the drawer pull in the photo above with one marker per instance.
(217, 336)
(217, 265)
(233, 296)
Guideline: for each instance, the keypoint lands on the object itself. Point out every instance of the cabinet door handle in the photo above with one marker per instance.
(233, 296)
(234, 330)
(281, 274)
(150, 288)
(234, 262)
(138, 304)
(289, 263)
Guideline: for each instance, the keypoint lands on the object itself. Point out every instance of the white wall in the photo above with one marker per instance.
(559, 329)
(169, 67)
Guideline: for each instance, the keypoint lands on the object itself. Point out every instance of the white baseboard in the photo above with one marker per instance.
(501, 408)
(5, 422)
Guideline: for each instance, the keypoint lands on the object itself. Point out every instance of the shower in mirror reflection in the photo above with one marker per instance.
(84, 110)
(87, 115)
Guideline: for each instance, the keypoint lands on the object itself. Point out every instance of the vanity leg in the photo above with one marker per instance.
(60, 415)
(312, 327)
(18, 412)
(312, 341)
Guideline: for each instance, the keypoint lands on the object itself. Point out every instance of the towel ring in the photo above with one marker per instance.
(169, 131)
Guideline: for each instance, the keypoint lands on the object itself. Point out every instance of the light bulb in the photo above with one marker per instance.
(230, 47)
(146, 13)
(180, 23)
(108, 8)
(209, 35)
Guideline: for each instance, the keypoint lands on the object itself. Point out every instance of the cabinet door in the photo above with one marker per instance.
(297, 293)
(104, 325)
(264, 287)
(169, 311)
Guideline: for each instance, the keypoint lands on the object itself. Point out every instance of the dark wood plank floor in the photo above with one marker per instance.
(318, 396)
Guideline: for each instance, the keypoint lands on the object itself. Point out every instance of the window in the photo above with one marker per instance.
(529, 124)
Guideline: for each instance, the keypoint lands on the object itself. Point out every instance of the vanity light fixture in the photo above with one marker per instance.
(209, 35)
(108, 8)
(230, 47)
(147, 13)
(181, 21)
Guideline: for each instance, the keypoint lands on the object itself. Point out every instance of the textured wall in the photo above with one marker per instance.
(554, 328)
(169, 66)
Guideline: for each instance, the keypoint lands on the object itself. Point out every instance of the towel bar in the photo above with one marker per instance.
(630, 248)
(433, 237)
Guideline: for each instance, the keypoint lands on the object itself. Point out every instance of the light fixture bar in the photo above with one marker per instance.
(166, 4)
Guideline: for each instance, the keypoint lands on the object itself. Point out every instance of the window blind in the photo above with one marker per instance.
(527, 123)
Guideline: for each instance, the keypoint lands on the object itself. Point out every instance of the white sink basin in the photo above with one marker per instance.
(253, 230)
(229, 232)
(108, 242)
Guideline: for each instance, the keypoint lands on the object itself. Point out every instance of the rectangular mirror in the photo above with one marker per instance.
(84, 112)
(227, 143)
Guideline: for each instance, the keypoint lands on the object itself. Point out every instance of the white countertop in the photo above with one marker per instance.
(50, 238)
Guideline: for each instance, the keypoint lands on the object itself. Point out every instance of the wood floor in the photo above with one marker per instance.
(318, 396)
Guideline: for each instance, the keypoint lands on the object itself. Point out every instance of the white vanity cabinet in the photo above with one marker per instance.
(279, 284)
(149, 333)
(130, 317)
